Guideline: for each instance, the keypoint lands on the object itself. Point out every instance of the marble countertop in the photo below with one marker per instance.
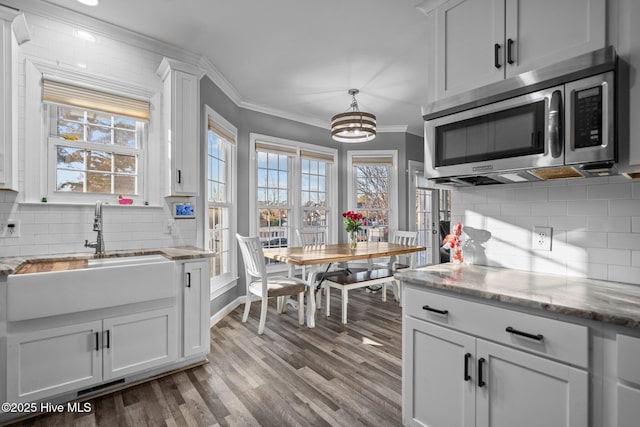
(12, 264)
(610, 302)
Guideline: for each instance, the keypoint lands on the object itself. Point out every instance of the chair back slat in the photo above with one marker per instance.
(253, 257)
(405, 237)
(312, 236)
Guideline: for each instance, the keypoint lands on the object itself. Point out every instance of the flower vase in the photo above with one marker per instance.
(353, 240)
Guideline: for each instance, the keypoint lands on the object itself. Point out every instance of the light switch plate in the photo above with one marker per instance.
(541, 238)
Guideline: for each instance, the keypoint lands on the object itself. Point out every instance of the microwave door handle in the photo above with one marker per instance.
(555, 124)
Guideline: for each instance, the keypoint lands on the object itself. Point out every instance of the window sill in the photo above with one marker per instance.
(221, 285)
(104, 204)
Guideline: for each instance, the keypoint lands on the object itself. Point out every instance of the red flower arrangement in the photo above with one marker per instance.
(353, 221)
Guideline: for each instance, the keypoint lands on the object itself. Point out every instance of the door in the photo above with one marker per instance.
(53, 361)
(528, 391)
(440, 363)
(431, 207)
(137, 342)
(543, 32)
(196, 311)
(467, 33)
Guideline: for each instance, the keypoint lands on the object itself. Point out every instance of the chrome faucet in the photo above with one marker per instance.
(97, 226)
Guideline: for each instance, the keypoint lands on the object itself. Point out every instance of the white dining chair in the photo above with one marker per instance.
(260, 286)
(308, 238)
(402, 261)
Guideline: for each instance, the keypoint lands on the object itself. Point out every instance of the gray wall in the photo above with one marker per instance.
(410, 147)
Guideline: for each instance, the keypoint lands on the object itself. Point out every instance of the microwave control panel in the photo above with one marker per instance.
(587, 120)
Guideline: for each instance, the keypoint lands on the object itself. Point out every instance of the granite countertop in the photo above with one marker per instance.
(12, 264)
(610, 302)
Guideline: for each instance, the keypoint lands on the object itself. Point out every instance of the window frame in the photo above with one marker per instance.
(393, 184)
(37, 177)
(295, 184)
(52, 141)
(220, 284)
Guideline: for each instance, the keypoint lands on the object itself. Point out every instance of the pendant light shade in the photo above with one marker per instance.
(354, 125)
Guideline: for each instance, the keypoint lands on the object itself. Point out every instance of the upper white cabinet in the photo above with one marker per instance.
(180, 118)
(483, 41)
(8, 169)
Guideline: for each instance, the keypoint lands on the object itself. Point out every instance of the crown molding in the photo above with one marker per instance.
(61, 14)
(220, 80)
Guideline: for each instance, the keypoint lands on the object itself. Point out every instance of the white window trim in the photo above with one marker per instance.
(36, 137)
(332, 201)
(224, 282)
(393, 183)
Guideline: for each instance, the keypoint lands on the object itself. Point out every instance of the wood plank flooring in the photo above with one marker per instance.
(333, 375)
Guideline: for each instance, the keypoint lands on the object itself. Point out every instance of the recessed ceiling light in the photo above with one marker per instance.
(89, 2)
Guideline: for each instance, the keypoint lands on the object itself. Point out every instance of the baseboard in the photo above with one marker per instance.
(226, 310)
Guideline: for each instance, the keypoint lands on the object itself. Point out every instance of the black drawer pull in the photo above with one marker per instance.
(97, 342)
(481, 382)
(108, 338)
(188, 280)
(435, 310)
(467, 356)
(510, 52)
(538, 337)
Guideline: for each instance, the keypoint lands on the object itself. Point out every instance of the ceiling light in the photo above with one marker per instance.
(354, 125)
(89, 2)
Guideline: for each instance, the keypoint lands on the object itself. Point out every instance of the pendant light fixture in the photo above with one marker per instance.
(354, 125)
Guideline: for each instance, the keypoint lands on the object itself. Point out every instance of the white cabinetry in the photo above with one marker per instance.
(462, 367)
(196, 311)
(180, 117)
(622, 382)
(483, 41)
(8, 167)
(53, 361)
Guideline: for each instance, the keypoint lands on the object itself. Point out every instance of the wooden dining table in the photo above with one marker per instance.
(299, 256)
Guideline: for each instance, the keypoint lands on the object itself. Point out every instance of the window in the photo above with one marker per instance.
(221, 196)
(294, 185)
(96, 140)
(373, 191)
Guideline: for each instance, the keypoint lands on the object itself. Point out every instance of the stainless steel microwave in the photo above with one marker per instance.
(569, 127)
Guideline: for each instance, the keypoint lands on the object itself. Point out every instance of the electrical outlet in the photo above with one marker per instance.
(541, 239)
(11, 228)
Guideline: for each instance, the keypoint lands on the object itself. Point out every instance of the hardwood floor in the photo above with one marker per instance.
(333, 375)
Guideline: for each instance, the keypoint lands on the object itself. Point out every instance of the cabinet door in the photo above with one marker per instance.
(528, 391)
(137, 342)
(53, 361)
(435, 390)
(543, 32)
(184, 138)
(466, 34)
(196, 311)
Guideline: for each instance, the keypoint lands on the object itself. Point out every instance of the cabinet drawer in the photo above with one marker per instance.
(559, 340)
(628, 362)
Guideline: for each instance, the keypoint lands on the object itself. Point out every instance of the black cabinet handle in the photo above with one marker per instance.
(108, 338)
(481, 382)
(510, 51)
(188, 280)
(537, 337)
(467, 356)
(435, 310)
(179, 176)
(496, 55)
(97, 341)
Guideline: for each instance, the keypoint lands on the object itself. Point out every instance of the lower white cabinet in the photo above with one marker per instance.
(53, 361)
(626, 380)
(454, 378)
(196, 309)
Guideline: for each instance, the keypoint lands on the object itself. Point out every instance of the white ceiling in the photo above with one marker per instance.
(296, 57)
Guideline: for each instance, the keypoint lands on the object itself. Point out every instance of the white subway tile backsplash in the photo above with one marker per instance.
(587, 207)
(609, 256)
(571, 223)
(568, 193)
(549, 208)
(516, 209)
(635, 224)
(635, 258)
(624, 240)
(587, 239)
(609, 223)
(609, 191)
(597, 271)
(636, 190)
(624, 207)
(624, 274)
(532, 194)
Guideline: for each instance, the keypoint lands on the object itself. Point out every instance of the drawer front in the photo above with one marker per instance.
(628, 358)
(559, 340)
